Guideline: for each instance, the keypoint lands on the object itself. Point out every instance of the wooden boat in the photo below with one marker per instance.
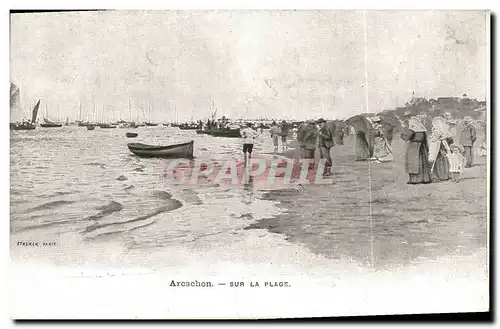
(49, 124)
(188, 127)
(131, 135)
(26, 125)
(184, 150)
(149, 124)
(106, 126)
(90, 127)
(233, 133)
(22, 126)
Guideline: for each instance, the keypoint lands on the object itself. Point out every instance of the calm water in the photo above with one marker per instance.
(83, 189)
(86, 184)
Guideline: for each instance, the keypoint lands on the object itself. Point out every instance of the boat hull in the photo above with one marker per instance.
(184, 150)
(51, 125)
(131, 135)
(233, 133)
(23, 127)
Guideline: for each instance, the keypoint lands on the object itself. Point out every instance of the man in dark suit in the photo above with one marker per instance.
(325, 142)
(467, 139)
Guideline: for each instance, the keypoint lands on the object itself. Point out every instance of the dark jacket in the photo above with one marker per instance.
(308, 137)
(326, 138)
(467, 135)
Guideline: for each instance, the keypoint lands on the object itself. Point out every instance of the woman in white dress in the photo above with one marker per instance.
(382, 151)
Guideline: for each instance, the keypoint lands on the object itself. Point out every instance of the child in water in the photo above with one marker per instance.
(457, 161)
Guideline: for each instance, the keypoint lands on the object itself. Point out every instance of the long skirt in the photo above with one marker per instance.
(441, 169)
(469, 156)
(381, 150)
(424, 169)
(362, 148)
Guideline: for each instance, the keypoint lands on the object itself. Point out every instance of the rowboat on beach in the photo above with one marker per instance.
(184, 150)
(131, 135)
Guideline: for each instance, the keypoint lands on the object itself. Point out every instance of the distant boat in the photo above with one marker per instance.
(90, 127)
(26, 125)
(149, 124)
(128, 125)
(188, 126)
(47, 123)
(50, 124)
(131, 135)
(225, 133)
(184, 150)
(15, 100)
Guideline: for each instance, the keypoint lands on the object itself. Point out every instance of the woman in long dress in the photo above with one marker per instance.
(363, 148)
(439, 149)
(417, 161)
(382, 151)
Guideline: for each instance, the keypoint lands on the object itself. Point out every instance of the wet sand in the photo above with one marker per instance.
(369, 213)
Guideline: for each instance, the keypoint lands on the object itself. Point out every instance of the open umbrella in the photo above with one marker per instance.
(389, 119)
(360, 123)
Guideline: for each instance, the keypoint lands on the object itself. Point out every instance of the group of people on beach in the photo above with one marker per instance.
(431, 158)
(311, 135)
(438, 157)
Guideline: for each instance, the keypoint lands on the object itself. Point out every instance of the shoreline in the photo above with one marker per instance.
(409, 224)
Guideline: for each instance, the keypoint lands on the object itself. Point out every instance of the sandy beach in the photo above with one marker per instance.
(369, 212)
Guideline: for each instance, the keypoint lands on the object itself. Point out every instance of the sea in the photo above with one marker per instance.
(77, 189)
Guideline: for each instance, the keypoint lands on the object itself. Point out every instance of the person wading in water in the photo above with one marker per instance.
(249, 135)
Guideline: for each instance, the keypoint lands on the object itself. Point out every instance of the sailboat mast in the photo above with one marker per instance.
(80, 115)
(129, 111)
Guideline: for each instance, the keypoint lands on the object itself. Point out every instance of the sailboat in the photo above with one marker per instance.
(149, 123)
(80, 117)
(47, 123)
(130, 123)
(15, 100)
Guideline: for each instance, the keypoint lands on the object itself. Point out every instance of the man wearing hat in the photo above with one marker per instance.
(307, 138)
(467, 139)
(325, 143)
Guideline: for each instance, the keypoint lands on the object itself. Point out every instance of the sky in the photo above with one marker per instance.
(171, 65)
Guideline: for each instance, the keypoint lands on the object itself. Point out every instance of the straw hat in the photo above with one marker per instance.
(321, 120)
